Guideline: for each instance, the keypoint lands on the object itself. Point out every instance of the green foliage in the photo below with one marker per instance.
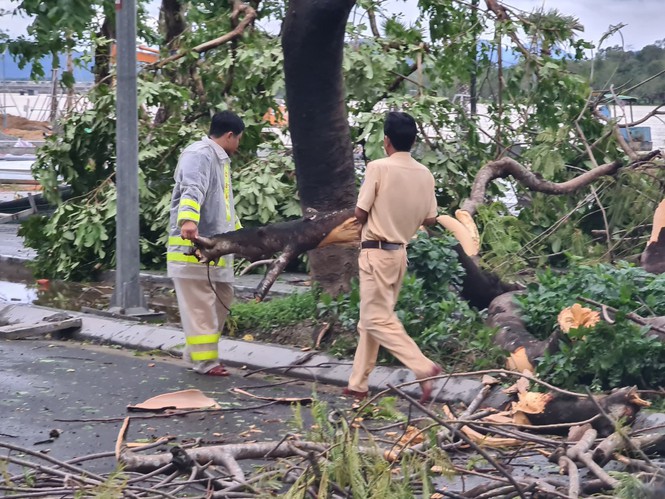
(265, 190)
(79, 239)
(541, 109)
(363, 474)
(274, 313)
(630, 486)
(73, 243)
(607, 355)
(623, 68)
(624, 287)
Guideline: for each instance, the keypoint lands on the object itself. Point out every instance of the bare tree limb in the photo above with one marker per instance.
(505, 167)
(371, 15)
(239, 8)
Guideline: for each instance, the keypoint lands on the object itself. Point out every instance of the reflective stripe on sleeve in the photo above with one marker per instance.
(227, 191)
(189, 215)
(238, 224)
(191, 203)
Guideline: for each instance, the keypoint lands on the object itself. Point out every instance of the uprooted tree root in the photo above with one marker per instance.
(350, 456)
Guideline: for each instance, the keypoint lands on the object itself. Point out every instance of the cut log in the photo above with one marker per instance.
(504, 313)
(480, 287)
(621, 405)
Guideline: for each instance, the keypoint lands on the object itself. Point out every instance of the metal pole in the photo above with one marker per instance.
(128, 296)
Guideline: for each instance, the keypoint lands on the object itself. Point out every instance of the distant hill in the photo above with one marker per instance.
(9, 70)
(627, 69)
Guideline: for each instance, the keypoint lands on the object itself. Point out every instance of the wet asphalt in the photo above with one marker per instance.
(82, 391)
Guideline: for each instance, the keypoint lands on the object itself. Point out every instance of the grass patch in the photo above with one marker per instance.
(275, 313)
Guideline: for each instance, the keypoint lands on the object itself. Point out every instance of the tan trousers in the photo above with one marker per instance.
(202, 317)
(381, 275)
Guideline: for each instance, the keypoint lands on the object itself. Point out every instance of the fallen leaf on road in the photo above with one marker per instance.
(184, 399)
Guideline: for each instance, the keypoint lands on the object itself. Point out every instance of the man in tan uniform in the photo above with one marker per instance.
(396, 198)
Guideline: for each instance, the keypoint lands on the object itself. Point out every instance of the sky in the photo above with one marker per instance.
(645, 19)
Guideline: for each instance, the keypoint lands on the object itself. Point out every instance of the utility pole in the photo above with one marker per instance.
(128, 297)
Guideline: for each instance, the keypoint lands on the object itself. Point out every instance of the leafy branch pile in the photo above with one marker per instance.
(393, 447)
(608, 355)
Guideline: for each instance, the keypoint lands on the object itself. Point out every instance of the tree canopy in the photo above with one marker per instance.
(214, 55)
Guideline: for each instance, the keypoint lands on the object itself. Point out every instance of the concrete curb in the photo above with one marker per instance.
(312, 366)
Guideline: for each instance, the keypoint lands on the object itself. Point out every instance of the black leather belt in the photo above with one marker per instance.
(381, 245)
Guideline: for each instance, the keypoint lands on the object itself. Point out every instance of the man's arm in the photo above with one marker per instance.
(194, 179)
(361, 215)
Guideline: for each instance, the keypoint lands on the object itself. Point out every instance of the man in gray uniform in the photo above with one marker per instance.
(202, 203)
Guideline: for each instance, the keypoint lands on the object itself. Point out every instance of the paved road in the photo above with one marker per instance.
(42, 382)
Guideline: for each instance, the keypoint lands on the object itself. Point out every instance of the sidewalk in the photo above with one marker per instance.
(236, 353)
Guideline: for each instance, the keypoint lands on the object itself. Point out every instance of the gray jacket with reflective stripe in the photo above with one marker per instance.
(203, 194)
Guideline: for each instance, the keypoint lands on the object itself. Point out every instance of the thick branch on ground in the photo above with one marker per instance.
(239, 8)
(506, 167)
(319, 230)
(290, 238)
(222, 455)
(505, 314)
(480, 287)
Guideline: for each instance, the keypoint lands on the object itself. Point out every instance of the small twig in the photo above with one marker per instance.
(569, 466)
(631, 315)
(607, 224)
(258, 263)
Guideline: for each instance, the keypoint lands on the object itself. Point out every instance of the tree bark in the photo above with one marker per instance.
(505, 167)
(290, 238)
(171, 25)
(172, 22)
(313, 44)
(505, 314)
(102, 68)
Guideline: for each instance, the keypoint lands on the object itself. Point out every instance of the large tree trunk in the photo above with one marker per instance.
(102, 67)
(313, 44)
(171, 25)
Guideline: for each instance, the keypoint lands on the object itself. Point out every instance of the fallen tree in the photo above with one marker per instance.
(350, 452)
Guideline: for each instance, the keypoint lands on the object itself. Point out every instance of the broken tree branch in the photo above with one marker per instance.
(239, 8)
(505, 167)
(461, 436)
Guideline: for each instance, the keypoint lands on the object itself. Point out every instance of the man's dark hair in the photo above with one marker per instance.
(225, 121)
(400, 128)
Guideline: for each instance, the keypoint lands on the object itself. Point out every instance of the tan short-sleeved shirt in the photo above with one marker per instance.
(398, 194)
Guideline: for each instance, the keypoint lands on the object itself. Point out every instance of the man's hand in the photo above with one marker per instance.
(189, 230)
